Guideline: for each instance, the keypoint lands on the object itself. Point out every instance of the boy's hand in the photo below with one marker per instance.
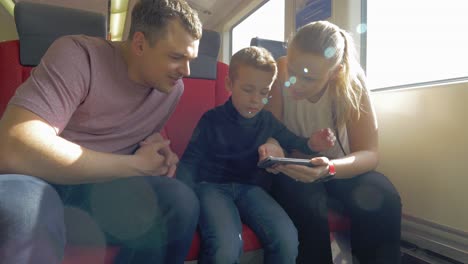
(270, 149)
(322, 140)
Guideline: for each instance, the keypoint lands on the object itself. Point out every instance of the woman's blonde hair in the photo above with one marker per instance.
(328, 40)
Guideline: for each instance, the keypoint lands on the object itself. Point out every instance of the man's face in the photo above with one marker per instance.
(250, 90)
(160, 66)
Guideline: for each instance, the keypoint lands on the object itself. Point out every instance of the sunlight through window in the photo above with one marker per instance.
(410, 42)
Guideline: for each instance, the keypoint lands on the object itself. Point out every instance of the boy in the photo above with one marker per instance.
(220, 162)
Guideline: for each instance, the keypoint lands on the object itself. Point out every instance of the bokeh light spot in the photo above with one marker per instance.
(329, 52)
(293, 79)
(361, 28)
(368, 197)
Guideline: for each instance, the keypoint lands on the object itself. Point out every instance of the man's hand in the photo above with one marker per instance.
(150, 161)
(322, 140)
(170, 158)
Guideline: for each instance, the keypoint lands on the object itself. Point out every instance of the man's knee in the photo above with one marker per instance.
(31, 214)
(29, 202)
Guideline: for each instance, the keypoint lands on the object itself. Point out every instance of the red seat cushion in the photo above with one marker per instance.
(81, 255)
(338, 222)
(12, 73)
(251, 242)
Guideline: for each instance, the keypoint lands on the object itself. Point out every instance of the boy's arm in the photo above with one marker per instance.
(290, 141)
(194, 154)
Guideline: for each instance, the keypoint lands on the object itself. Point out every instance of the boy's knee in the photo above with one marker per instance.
(222, 251)
(285, 240)
(185, 201)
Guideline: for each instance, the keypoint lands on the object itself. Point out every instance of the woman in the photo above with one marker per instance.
(321, 87)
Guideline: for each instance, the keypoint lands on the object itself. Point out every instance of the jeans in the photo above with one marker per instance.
(224, 206)
(153, 219)
(370, 200)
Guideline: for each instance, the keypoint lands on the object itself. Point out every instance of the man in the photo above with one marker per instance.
(74, 135)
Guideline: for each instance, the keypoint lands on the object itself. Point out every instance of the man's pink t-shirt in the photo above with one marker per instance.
(82, 88)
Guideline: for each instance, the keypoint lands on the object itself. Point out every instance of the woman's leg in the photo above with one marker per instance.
(374, 207)
(307, 207)
(220, 224)
(31, 221)
(270, 223)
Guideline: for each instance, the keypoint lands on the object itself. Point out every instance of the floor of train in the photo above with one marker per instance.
(341, 252)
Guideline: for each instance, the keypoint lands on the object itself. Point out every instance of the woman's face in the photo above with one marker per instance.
(308, 74)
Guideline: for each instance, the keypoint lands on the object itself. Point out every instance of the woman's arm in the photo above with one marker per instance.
(363, 156)
(363, 143)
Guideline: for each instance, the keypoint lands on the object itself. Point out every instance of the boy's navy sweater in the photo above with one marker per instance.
(224, 146)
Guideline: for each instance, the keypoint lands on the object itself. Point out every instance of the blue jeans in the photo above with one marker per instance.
(224, 206)
(153, 219)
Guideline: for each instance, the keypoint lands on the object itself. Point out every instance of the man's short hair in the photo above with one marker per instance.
(151, 17)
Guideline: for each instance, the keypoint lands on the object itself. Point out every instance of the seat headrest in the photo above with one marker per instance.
(277, 48)
(204, 67)
(38, 25)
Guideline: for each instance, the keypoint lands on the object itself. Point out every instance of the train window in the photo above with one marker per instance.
(416, 42)
(265, 22)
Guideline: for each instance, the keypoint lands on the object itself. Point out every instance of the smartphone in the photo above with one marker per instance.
(270, 161)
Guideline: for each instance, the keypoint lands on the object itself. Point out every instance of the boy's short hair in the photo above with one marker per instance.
(152, 17)
(256, 57)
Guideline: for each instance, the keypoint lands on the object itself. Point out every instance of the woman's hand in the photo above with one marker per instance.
(304, 173)
(322, 140)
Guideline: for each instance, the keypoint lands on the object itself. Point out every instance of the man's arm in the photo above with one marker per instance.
(29, 145)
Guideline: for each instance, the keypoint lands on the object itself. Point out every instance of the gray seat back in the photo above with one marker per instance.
(38, 25)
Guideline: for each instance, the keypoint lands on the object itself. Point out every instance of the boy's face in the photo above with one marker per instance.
(250, 90)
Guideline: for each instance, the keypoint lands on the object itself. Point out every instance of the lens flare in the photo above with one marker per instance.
(329, 52)
(287, 84)
(292, 80)
(265, 101)
(361, 28)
